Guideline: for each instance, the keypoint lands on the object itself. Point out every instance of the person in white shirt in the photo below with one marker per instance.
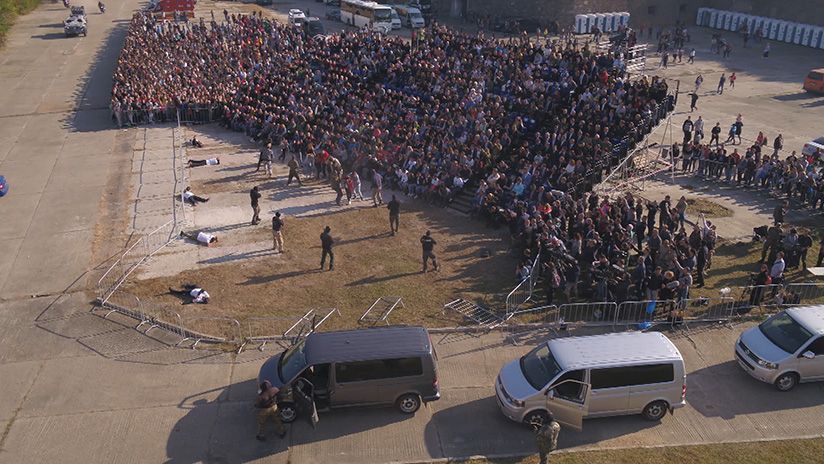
(190, 197)
(777, 270)
(201, 237)
(192, 163)
(192, 294)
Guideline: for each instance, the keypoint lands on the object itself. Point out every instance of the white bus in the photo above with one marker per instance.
(359, 14)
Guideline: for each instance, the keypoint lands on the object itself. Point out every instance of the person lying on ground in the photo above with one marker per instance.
(201, 237)
(195, 142)
(190, 197)
(207, 162)
(197, 294)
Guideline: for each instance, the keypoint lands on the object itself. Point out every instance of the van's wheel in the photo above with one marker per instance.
(288, 412)
(655, 411)
(409, 403)
(536, 418)
(786, 382)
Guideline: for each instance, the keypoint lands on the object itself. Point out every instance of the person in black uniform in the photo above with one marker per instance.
(428, 247)
(326, 243)
(394, 208)
(255, 195)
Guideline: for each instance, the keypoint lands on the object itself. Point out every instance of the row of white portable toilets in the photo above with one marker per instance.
(606, 22)
(772, 29)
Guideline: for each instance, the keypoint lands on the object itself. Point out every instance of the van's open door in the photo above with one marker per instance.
(569, 402)
(305, 400)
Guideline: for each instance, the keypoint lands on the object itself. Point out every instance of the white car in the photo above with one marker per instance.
(296, 17)
(813, 148)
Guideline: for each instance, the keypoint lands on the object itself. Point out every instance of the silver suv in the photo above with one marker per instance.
(786, 349)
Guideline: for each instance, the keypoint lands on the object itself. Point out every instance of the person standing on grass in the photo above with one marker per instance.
(326, 243)
(394, 207)
(277, 235)
(428, 248)
(377, 186)
(255, 195)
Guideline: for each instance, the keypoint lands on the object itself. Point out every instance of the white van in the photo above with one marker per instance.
(786, 349)
(411, 17)
(396, 20)
(594, 376)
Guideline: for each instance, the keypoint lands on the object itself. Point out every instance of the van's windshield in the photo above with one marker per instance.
(539, 367)
(293, 362)
(785, 332)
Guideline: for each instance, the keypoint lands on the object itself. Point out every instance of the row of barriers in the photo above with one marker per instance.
(185, 114)
(525, 290)
(190, 330)
(641, 315)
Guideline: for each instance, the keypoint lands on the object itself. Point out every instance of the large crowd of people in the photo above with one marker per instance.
(526, 127)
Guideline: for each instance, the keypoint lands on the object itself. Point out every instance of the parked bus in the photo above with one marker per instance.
(359, 14)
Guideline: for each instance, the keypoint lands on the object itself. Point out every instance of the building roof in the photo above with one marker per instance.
(366, 344)
(811, 317)
(612, 349)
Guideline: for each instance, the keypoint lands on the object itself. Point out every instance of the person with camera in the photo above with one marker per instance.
(759, 280)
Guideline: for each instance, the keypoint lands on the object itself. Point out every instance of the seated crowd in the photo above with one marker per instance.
(528, 126)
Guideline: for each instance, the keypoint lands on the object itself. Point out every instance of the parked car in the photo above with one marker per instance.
(786, 349)
(376, 366)
(296, 17)
(4, 186)
(814, 148)
(595, 376)
(313, 27)
(814, 82)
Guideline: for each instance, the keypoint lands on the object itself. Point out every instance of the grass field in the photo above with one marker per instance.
(770, 452)
(9, 10)
(370, 264)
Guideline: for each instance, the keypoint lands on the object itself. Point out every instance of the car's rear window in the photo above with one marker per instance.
(816, 76)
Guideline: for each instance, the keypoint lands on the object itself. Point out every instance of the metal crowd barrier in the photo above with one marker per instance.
(590, 314)
(188, 114)
(524, 291)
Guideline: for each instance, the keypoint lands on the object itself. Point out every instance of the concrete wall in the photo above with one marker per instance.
(644, 12)
(803, 11)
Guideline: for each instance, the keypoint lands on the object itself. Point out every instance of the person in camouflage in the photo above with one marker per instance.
(546, 435)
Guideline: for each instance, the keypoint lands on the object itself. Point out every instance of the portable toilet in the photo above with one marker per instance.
(727, 25)
(800, 30)
(713, 18)
(624, 18)
(600, 21)
(817, 39)
(807, 39)
(789, 36)
(735, 22)
(775, 26)
(748, 22)
(580, 24)
(613, 21)
(701, 17)
(607, 22)
(760, 25)
(781, 30)
(591, 21)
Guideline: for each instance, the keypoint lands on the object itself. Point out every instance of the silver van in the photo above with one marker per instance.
(786, 349)
(594, 376)
(376, 366)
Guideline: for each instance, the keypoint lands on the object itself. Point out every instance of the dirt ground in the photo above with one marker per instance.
(369, 264)
(697, 206)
